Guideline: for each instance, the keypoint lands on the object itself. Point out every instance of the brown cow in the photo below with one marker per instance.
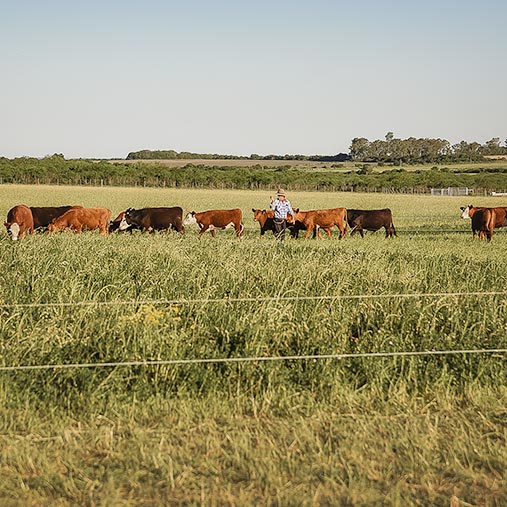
(154, 219)
(83, 219)
(324, 219)
(360, 220)
(485, 220)
(19, 221)
(43, 216)
(216, 219)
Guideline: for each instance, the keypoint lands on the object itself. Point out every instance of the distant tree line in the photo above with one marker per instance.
(422, 151)
(57, 170)
(390, 150)
(185, 155)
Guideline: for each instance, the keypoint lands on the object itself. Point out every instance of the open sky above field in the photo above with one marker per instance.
(100, 79)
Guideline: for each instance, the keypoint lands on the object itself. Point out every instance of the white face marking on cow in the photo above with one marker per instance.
(124, 225)
(189, 219)
(14, 230)
(465, 212)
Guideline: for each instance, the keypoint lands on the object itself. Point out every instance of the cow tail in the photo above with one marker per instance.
(490, 224)
(346, 222)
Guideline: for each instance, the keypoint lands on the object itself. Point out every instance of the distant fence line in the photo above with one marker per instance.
(452, 191)
(167, 183)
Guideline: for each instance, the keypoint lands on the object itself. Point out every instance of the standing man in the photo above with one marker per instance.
(281, 206)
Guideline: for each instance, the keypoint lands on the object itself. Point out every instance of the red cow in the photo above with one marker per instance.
(216, 219)
(19, 221)
(80, 219)
(485, 220)
(324, 219)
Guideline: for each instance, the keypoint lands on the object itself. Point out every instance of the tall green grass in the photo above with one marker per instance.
(363, 431)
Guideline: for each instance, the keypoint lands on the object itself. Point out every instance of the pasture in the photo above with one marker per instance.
(421, 430)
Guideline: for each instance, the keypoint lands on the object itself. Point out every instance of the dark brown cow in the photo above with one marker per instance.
(324, 219)
(43, 216)
(80, 219)
(216, 219)
(370, 220)
(19, 221)
(265, 219)
(155, 219)
(485, 220)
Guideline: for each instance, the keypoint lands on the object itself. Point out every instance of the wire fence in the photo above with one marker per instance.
(255, 359)
(254, 299)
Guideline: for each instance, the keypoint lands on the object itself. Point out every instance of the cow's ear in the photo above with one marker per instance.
(253, 210)
(193, 213)
(296, 210)
(462, 208)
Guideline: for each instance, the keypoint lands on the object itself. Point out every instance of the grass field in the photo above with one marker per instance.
(400, 431)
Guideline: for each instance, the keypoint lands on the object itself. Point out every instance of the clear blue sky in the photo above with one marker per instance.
(102, 78)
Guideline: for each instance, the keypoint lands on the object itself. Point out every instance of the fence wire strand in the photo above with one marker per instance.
(315, 357)
(259, 299)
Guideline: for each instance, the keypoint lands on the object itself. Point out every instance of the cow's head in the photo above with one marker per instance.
(124, 224)
(190, 218)
(262, 215)
(12, 230)
(131, 217)
(291, 219)
(465, 211)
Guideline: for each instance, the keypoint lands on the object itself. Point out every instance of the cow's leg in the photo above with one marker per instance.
(213, 232)
(309, 229)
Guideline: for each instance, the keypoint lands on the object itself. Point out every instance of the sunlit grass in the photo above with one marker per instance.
(391, 431)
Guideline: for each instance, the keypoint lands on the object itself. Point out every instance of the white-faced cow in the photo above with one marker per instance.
(216, 219)
(119, 224)
(19, 222)
(154, 219)
(324, 219)
(485, 220)
(80, 219)
(370, 220)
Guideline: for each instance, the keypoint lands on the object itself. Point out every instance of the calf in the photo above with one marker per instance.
(216, 219)
(80, 219)
(370, 220)
(154, 219)
(19, 221)
(324, 219)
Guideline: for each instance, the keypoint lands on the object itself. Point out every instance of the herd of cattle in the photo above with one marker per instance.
(23, 219)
